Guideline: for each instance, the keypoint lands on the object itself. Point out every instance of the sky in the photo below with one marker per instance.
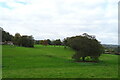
(58, 19)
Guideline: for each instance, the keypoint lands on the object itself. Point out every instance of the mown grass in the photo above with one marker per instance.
(54, 62)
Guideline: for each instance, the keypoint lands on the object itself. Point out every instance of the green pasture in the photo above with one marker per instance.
(53, 62)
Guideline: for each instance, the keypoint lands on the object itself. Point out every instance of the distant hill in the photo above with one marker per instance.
(110, 46)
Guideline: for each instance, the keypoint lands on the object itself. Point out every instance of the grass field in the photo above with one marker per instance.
(54, 62)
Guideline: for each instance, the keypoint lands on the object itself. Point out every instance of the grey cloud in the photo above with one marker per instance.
(63, 19)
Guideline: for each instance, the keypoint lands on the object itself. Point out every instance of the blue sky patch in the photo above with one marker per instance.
(4, 5)
(20, 2)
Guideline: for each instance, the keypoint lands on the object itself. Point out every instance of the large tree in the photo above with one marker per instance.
(85, 45)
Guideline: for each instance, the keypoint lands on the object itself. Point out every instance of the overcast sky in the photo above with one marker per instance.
(54, 19)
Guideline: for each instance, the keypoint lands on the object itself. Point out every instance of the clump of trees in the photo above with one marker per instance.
(44, 42)
(25, 41)
(49, 42)
(6, 36)
(84, 46)
(56, 42)
(37, 42)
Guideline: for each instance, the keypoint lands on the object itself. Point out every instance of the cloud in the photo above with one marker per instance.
(61, 18)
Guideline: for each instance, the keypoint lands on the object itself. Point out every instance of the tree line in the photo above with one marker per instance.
(49, 42)
(18, 40)
(26, 41)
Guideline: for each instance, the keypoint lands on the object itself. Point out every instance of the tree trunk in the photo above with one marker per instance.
(83, 58)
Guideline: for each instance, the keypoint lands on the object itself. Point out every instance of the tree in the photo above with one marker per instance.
(37, 41)
(27, 41)
(6, 36)
(85, 45)
(49, 41)
(17, 39)
(65, 42)
(57, 42)
(44, 42)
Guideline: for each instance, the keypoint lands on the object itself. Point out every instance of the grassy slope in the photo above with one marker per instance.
(53, 62)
